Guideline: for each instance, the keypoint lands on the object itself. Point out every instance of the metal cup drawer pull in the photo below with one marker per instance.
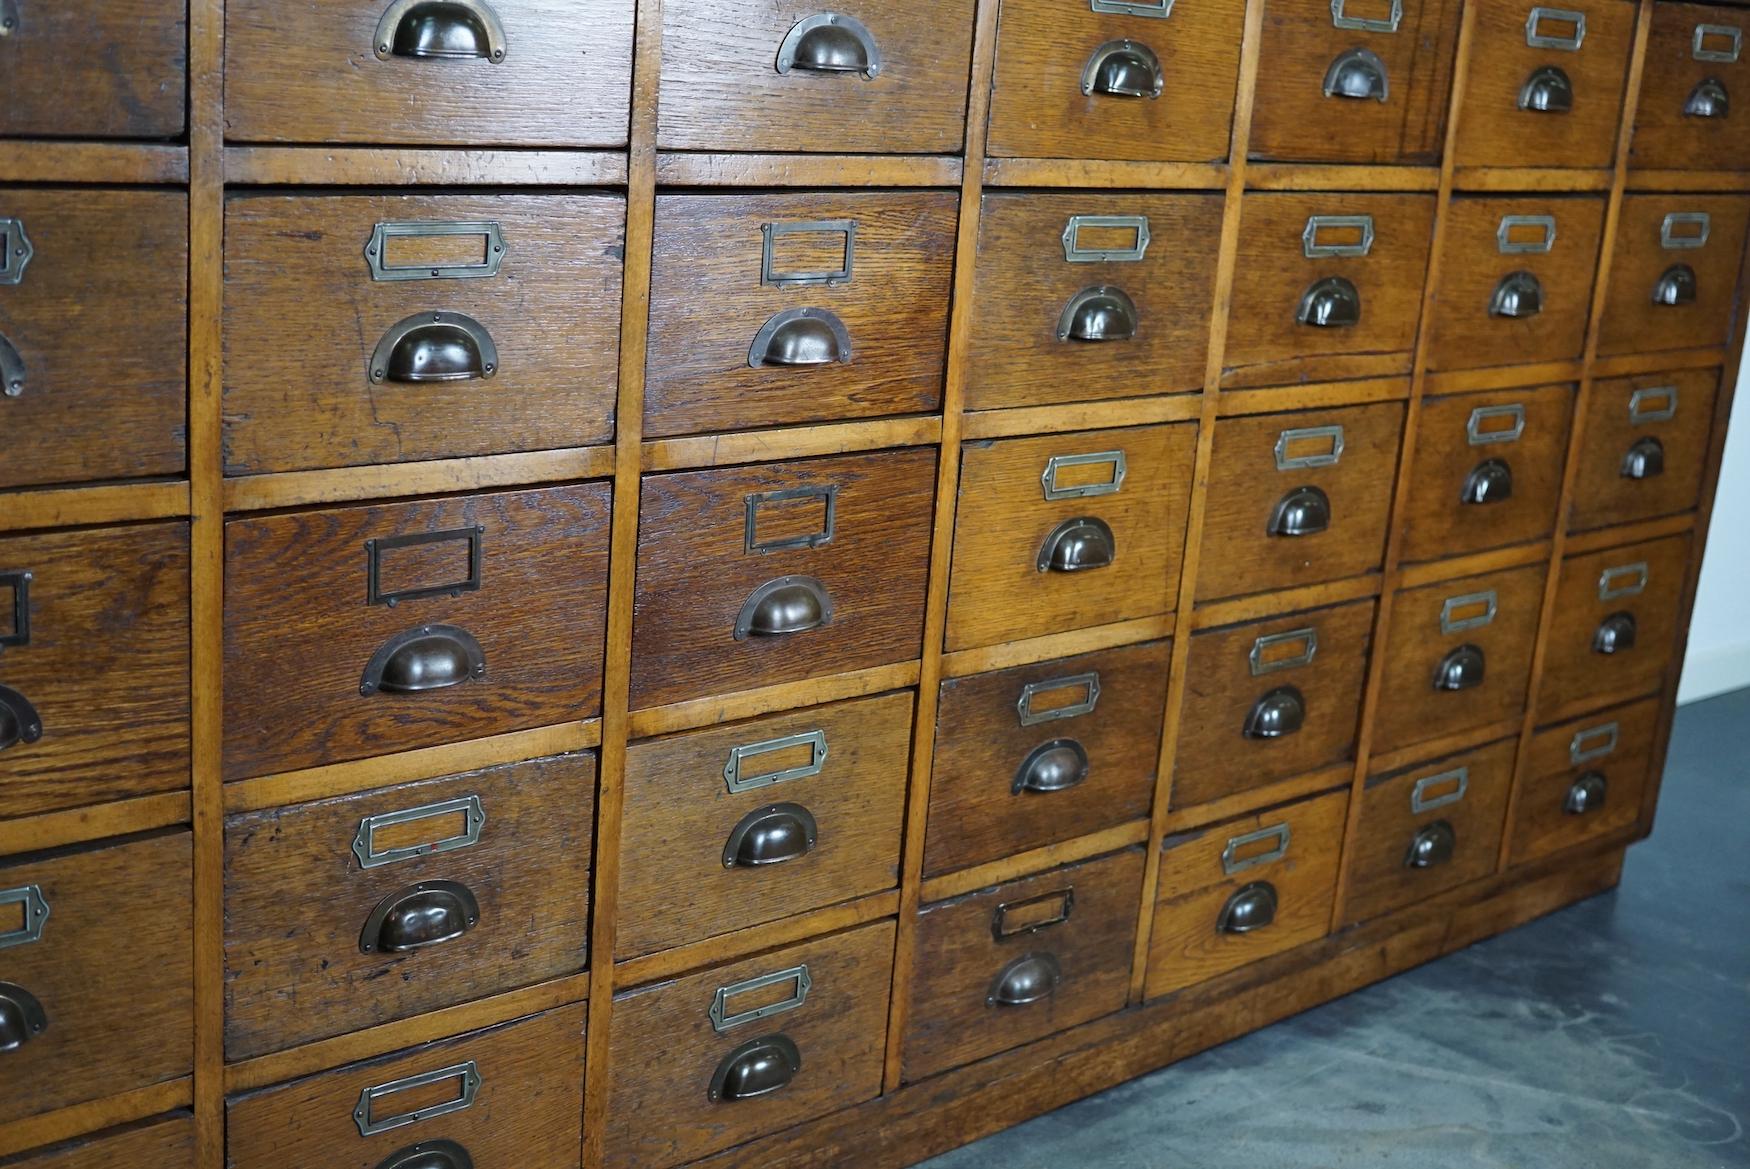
(1586, 794)
(1490, 481)
(1075, 253)
(364, 842)
(19, 721)
(429, 657)
(1447, 788)
(15, 251)
(1676, 286)
(1591, 743)
(33, 914)
(734, 770)
(1051, 480)
(1304, 511)
(1704, 45)
(1126, 69)
(1032, 714)
(1548, 90)
(1519, 296)
(1279, 713)
(441, 30)
(1097, 314)
(723, 1020)
(770, 235)
(427, 913)
(1357, 75)
(784, 606)
(1341, 19)
(1640, 412)
(1432, 846)
(756, 1068)
(434, 347)
(1077, 545)
(799, 337)
(384, 268)
(11, 369)
(1059, 904)
(1269, 653)
(1615, 634)
(1233, 862)
(439, 1154)
(1708, 99)
(1468, 611)
(770, 836)
(22, 1017)
(1624, 580)
(1330, 303)
(1463, 668)
(1644, 459)
(830, 42)
(1343, 226)
(1053, 766)
(364, 1114)
(1031, 978)
(1251, 908)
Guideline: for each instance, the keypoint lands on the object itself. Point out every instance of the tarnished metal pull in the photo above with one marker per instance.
(1461, 669)
(430, 657)
(770, 836)
(15, 246)
(434, 347)
(1027, 979)
(1490, 481)
(1124, 69)
(1305, 511)
(1676, 286)
(1708, 99)
(1053, 766)
(1615, 634)
(1357, 75)
(22, 1017)
(758, 1067)
(19, 721)
(789, 604)
(1250, 908)
(1518, 296)
(11, 369)
(1277, 714)
(1432, 845)
(1645, 459)
(1586, 794)
(1077, 545)
(441, 30)
(467, 1080)
(801, 336)
(8, 17)
(1099, 313)
(428, 913)
(830, 42)
(429, 1155)
(1331, 303)
(1547, 91)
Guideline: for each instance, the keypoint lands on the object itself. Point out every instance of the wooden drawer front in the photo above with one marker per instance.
(1487, 471)
(1278, 474)
(97, 973)
(1459, 656)
(1695, 53)
(1516, 280)
(1066, 531)
(755, 75)
(1545, 83)
(770, 309)
(753, 575)
(93, 327)
(509, 1097)
(1669, 290)
(824, 788)
(96, 69)
(1624, 601)
(1427, 829)
(318, 72)
(1054, 96)
(1038, 754)
(1645, 447)
(1584, 780)
(94, 700)
(1054, 322)
(503, 594)
(168, 1144)
(350, 912)
(808, 1024)
(1020, 961)
(1244, 890)
(1270, 700)
(328, 364)
(1354, 262)
(1363, 81)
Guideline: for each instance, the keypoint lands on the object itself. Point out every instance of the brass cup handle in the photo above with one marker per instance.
(1547, 91)
(784, 606)
(434, 347)
(1077, 545)
(756, 1068)
(1098, 313)
(11, 369)
(8, 17)
(1462, 669)
(428, 657)
(428, 913)
(1433, 845)
(1708, 99)
(830, 42)
(429, 1155)
(1028, 979)
(22, 1017)
(1645, 459)
(1250, 908)
(801, 336)
(19, 721)
(440, 30)
(1585, 795)
(1615, 634)
(771, 836)
(1331, 303)
(1490, 481)
(1677, 286)
(1518, 297)
(1053, 766)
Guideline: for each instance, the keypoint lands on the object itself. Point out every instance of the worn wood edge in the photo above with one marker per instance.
(1293, 176)
(1029, 650)
(743, 943)
(1580, 707)
(1234, 610)
(723, 708)
(346, 484)
(791, 442)
(1270, 795)
(1467, 179)
(1240, 401)
(1427, 572)
(696, 169)
(1500, 377)
(39, 161)
(111, 503)
(981, 425)
(1687, 181)
(96, 822)
(1093, 174)
(389, 166)
(1439, 748)
(77, 1120)
(1034, 860)
(1630, 364)
(1598, 539)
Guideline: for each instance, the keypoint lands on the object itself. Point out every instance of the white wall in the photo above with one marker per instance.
(1719, 635)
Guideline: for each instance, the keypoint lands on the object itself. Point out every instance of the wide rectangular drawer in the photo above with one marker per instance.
(1615, 622)
(1269, 700)
(738, 825)
(1067, 531)
(797, 307)
(93, 330)
(732, 1053)
(94, 660)
(1696, 65)
(348, 912)
(467, 73)
(95, 69)
(749, 576)
(1584, 780)
(393, 328)
(1033, 755)
(482, 614)
(871, 76)
(1237, 892)
(1643, 447)
(1295, 499)
(98, 969)
(1089, 297)
(1014, 963)
(1674, 274)
(164, 1144)
(507, 1097)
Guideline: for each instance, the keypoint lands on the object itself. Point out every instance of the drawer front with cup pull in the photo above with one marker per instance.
(1270, 700)
(1089, 297)
(720, 1057)
(1615, 622)
(360, 631)
(1698, 67)
(780, 308)
(1014, 963)
(1584, 780)
(358, 910)
(95, 972)
(760, 820)
(1295, 499)
(1244, 890)
(429, 72)
(1674, 276)
(1037, 754)
(1067, 531)
(392, 328)
(1644, 447)
(165, 1144)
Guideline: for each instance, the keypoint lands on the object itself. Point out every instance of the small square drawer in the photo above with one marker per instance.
(393, 328)
(1545, 83)
(1014, 963)
(1039, 754)
(761, 820)
(1459, 655)
(1429, 828)
(482, 614)
(1487, 470)
(1269, 700)
(780, 308)
(1615, 623)
(1140, 80)
(94, 661)
(1295, 499)
(868, 77)
(1326, 286)
(1584, 780)
(510, 1095)
(1644, 448)
(95, 69)
(168, 1144)
(1696, 67)
(1237, 892)
(424, 73)
(349, 912)
(1066, 531)
(1515, 283)
(1354, 80)
(1090, 297)
(1674, 277)
(720, 1057)
(93, 327)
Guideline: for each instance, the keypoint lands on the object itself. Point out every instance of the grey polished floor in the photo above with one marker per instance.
(1612, 1035)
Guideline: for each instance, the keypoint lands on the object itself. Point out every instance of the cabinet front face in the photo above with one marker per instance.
(1696, 67)
(1674, 274)
(1643, 447)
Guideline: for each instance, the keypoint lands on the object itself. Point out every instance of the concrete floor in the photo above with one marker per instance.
(1612, 1035)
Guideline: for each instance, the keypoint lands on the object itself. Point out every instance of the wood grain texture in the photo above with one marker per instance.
(96, 69)
(164, 1144)
(83, 825)
(1664, 137)
(1632, 322)
(66, 507)
(694, 169)
(787, 931)
(1573, 670)
(1603, 495)
(760, 446)
(1615, 744)
(354, 166)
